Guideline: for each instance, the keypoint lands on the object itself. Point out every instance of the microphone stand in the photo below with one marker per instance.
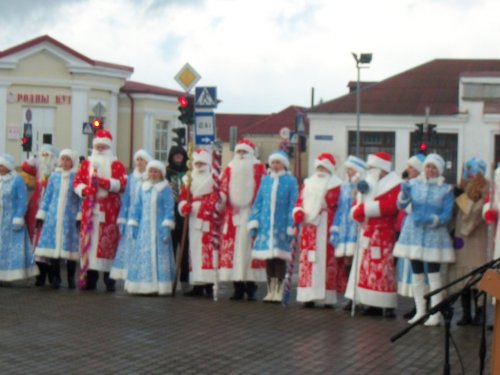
(446, 309)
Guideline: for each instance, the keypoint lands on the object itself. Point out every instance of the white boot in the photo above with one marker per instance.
(418, 284)
(270, 289)
(435, 283)
(278, 291)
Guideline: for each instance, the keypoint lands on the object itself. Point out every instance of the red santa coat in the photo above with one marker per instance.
(321, 274)
(201, 249)
(105, 235)
(377, 284)
(36, 197)
(235, 262)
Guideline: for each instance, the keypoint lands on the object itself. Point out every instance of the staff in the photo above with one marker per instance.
(215, 232)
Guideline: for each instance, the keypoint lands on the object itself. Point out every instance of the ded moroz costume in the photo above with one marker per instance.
(321, 274)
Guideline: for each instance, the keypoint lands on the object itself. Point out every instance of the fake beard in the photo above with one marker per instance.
(101, 161)
(242, 182)
(45, 167)
(313, 194)
(372, 179)
(202, 182)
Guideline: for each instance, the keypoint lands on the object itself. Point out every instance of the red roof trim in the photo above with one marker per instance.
(133, 87)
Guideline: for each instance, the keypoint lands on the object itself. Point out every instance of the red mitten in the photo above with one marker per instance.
(186, 209)
(359, 213)
(88, 191)
(490, 216)
(298, 217)
(103, 183)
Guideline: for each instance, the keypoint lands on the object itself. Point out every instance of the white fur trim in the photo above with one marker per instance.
(133, 223)
(279, 157)
(401, 200)
(143, 154)
(18, 221)
(387, 183)
(372, 209)
(355, 163)
(326, 164)
(297, 209)
(244, 147)
(156, 164)
(168, 223)
(8, 162)
(435, 160)
(102, 141)
(114, 185)
(376, 162)
(334, 228)
(435, 221)
(41, 214)
(79, 190)
(377, 299)
(202, 156)
(252, 225)
(121, 220)
(290, 231)
(416, 163)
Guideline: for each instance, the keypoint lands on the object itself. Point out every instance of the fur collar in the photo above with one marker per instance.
(159, 186)
(9, 176)
(387, 183)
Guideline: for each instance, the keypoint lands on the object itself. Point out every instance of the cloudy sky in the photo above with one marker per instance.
(263, 55)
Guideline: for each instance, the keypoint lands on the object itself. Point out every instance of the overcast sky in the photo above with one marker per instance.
(263, 55)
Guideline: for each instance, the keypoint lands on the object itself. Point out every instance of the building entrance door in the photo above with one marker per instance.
(42, 122)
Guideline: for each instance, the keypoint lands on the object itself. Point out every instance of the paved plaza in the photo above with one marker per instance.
(44, 331)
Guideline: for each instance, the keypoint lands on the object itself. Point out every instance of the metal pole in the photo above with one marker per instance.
(358, 109)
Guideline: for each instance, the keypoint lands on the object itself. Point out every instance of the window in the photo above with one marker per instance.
(370, 142)
(161, 140)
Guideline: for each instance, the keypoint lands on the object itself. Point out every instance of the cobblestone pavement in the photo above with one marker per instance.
(44, 331)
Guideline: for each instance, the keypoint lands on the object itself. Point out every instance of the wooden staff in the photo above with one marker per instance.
(189, 197)
(215, 227)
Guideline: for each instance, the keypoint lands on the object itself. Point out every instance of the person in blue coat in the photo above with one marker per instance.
(16, 257)
(151, 266)
(271, 223)
(424, 237)
(58, 212)
(134, 183)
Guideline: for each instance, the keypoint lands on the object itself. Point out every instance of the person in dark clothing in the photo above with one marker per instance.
(176, 169)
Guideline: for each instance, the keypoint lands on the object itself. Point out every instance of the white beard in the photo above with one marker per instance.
(46, 165)
(101, 162)
(242, 182)
(372, 178)
(313, 194)
(202, 182)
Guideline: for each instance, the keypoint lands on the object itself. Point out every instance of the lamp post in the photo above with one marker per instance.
(362, 61)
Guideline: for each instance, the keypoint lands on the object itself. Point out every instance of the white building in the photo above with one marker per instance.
(463, 97)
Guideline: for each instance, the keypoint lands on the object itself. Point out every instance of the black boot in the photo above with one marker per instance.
(55, 271)
(109, 282)
(372, 311)
(410, 314)
(209, 290)
(239, 291)
(251, 288)
(197, 291)
(92, 278)
(42, 273)
(478, 310)
(71, 270)
(466, 308)
(309, 305)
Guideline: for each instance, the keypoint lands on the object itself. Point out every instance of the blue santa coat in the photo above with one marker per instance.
(272, 216)
(151, 267)
(16, 257)
(59, 207)
(420, 239)
(119, 268)
(344, 229)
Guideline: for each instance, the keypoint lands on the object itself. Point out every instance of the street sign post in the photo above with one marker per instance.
(204, 128)
(205, 97)
(187, 77)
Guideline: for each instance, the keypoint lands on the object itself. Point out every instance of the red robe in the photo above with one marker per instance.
(235, 262)
(377, 284)
(105, 235)
(36, 198)
(321, 274)
(201, 249)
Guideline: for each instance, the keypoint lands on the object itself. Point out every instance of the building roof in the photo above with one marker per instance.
(242, 121)
(133, 87)
(272, 124)
(433, 84)
(47, 39)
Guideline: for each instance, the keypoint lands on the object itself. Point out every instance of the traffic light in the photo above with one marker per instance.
(431, 133)
(186, 109)
(180, 139)
(27, 140)
(422, 149)
(419, 132)
(97, 124)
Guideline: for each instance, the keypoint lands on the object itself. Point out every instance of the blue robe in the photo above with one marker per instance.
(151, 267)
(59, 208)
(16, 258)
(119, 268)
(271, 216)
(344, 231)
(422, 238)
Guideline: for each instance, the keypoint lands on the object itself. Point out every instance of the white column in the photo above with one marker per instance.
(147, 133)
(402, 149)
(113, 118)
(79, 115)
(3, 117)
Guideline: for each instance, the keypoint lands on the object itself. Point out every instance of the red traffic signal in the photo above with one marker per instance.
(186, 110)
(96, 124)
(183, 101)
(422, 148)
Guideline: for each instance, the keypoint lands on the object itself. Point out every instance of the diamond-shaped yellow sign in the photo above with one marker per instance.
(187, 77)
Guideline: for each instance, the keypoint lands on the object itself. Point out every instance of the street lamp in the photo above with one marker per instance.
(362, 61)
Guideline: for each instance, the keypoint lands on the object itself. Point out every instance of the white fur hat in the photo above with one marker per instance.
(280, 156)
(380, 160)
(201, 155)
(355, 163)
(417, 162)
(72, 155)
(156, 164)
(8, 161)
(435, 160)
(142, 154)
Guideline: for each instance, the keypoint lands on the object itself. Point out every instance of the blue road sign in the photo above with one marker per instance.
(205, 97)
(204, 128)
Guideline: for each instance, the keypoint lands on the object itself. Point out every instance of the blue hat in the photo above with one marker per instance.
(355, 163)
(8, 161)
(280, 156)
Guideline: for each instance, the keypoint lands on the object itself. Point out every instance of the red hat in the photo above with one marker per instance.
(245, 145)
(381, 160)
(327, 161)
(102, 137)
(203, 156)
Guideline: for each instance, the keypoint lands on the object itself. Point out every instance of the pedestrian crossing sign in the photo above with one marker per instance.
(205, 97)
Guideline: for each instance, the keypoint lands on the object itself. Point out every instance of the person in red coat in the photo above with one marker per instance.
(40, 168)
(321, 274)
(101, 178)
(374, 284)
(239, 184)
